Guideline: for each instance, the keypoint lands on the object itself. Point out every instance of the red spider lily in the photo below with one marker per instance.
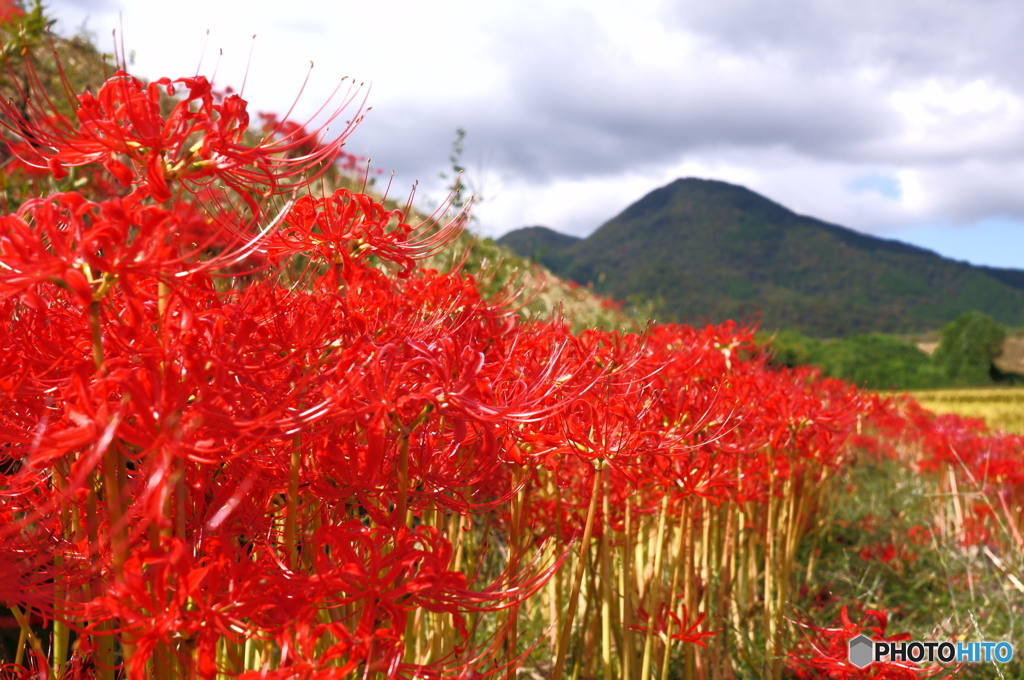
(888, 554)
(962, 456)
(10, 10)
(86, 247)
(824, 652)
(347, 226)
(201, 141)
(273, 125)
(668, 621)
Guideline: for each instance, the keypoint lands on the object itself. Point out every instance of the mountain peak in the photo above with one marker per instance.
(708, 250)
(707, 191)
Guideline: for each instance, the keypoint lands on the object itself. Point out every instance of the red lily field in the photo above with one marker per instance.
(246, 433)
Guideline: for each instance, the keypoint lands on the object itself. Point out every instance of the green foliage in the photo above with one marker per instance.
(969, 344)
(461, 185)
(59, 65)
(39, 63)
(879, 362)
(789, 348)
(455, 158)
(874, 361)
(879, 550)
(882, 362)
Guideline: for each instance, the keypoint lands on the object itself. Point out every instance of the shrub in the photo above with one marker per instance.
(969, 344)
(879, 362)
(874, 361)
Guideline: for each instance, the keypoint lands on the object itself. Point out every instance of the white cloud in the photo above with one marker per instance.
(579, 107)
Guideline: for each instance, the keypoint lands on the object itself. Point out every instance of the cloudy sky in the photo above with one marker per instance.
(900, 119)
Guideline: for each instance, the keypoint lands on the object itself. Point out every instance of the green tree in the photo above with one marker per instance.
(789, 348)
(879, 362)
(969, 344)
(874, 361)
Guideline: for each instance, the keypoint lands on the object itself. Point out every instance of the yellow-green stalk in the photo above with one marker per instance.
(606, 580)
(654, 594)
(677, 563)
(581, 567)
(628, 648)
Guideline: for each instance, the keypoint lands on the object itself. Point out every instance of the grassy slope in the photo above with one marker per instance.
(499, 271)
(881, 549)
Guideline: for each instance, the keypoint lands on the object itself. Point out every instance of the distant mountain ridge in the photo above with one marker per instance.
(705, 250)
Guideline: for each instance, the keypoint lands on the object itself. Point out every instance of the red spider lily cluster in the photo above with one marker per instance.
(200, 143)
(824, 652)
(247, 435)
(977, 473)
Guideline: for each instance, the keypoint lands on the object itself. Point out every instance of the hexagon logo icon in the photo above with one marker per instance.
(862, 651)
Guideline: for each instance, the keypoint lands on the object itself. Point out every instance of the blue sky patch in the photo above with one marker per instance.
(886, 185)
(996, 241)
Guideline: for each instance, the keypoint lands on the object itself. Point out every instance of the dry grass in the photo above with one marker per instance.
(1001, 407)
(1012, 358)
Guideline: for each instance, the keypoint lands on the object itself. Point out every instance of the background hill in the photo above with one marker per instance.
(703, 250)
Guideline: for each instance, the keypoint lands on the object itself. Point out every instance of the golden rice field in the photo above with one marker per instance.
(1001, 407)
